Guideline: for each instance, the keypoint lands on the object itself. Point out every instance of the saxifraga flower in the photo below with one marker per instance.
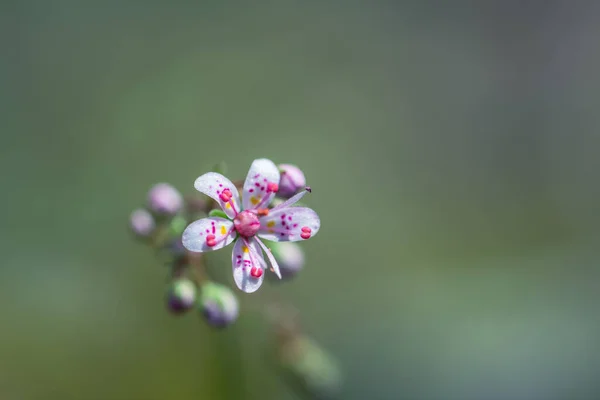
(249, 221)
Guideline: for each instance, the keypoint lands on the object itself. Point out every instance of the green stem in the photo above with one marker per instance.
(225, 364)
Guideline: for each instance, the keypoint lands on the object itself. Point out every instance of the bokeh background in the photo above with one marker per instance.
(452, 148)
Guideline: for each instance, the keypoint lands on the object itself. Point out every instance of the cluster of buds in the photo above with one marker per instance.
(266, 220)
(160, 225)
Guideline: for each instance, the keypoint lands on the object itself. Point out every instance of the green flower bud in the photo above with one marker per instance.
(181, 295)
(218, 305)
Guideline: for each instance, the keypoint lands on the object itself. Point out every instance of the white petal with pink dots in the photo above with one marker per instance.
(222, 190)
(261, 185)
(208, 234)
(248, 265)
(290, 224)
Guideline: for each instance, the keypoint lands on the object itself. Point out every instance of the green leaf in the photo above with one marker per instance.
(217, 213)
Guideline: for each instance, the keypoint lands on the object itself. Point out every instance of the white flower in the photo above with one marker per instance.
(249, 221)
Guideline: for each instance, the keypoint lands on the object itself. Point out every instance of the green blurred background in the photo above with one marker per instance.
(452, 148)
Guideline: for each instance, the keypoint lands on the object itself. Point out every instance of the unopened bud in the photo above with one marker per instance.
(142, 223)
(218, 305)
(164, 199)
(290, 258)
(181, 295)
(291, 180)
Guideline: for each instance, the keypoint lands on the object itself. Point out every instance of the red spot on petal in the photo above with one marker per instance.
(210, 240)
(272, 187)
(282, 216)
(257, 184)
(251, 190)
(290, 218)
(306, 231)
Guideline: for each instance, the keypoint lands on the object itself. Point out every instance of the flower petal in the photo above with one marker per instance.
(208, 234)
(289, 224)
(248, 265)
(292, 200)
(261, 184)
(215, 186)
(272, 260)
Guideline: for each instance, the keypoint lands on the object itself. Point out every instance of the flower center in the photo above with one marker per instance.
(246, 223)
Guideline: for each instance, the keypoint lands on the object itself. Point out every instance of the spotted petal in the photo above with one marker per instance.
(248, 265)
(261, 184)
(215, 186)
(289, 224)
(208, 234)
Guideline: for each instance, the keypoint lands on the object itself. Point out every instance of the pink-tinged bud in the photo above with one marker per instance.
(164, 199)
(291, 180)
(290, 258)
(142, 223)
